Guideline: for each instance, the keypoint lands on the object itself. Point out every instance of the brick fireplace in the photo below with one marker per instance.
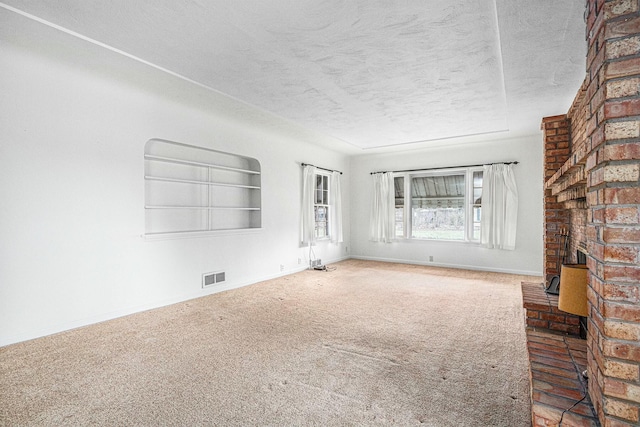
(592, 189)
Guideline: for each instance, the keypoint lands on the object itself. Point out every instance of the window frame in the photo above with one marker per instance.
(468, 173)
(326, 178)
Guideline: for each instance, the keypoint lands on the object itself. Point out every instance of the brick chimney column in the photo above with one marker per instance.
(613, 209)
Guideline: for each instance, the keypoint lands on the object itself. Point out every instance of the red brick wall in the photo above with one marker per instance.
(605, 148)
(578, 114)
(613, 224)
(556, 152)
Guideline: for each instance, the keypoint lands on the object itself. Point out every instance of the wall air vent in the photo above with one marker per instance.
(210, 279)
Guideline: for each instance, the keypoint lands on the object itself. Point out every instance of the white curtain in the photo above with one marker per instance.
(382, 226)
(335, 214)
(499, 207)
(307, 220)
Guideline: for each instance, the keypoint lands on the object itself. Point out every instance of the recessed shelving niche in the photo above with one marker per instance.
(192, 190)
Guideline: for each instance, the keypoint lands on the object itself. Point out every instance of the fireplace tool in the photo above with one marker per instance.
(563, 239)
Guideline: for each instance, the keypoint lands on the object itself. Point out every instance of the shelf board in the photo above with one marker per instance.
(202, 207)
(190, 181)
(200, 164)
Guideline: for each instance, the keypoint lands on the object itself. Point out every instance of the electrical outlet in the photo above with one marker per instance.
(281, 267)
(430, 258)
(299, 260)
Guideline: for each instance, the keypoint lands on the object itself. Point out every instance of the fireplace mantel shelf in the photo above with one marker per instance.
(569, 183)
(571, 174)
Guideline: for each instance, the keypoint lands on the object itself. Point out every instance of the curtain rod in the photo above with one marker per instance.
(318, 167)
(449, 167)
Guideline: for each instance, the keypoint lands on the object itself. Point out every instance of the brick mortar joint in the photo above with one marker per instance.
(621, 119)
(616, 205)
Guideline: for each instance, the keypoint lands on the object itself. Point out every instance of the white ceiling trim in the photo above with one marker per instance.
(118, 51)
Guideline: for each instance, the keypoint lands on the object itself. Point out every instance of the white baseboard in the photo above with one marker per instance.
(444, 265)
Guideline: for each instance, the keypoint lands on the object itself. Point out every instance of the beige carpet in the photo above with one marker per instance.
(367, 344)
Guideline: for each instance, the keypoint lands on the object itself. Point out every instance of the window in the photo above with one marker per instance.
(321, 206)
(399, 186)
(437, 207)
(477, 204)
(321, 216)
(443, 205)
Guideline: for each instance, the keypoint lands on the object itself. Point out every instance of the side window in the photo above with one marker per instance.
(476, 207)
(321, 206)
(398, 183)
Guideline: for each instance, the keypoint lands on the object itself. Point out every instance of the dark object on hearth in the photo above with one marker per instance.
(563, 242)
(554, 286)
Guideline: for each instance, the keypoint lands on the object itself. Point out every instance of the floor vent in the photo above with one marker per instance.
(210, 279)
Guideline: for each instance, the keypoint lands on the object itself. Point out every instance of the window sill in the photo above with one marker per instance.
(418, 240)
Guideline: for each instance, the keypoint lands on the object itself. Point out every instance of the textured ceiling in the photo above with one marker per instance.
(370, 73)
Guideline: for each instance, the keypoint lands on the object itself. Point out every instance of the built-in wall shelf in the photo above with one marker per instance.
(198, 190)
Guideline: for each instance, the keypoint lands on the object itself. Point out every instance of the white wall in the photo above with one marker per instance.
(74, 119)
(526, 259)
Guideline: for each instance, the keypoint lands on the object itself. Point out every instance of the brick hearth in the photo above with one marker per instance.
(542, 310)
(556, 363)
